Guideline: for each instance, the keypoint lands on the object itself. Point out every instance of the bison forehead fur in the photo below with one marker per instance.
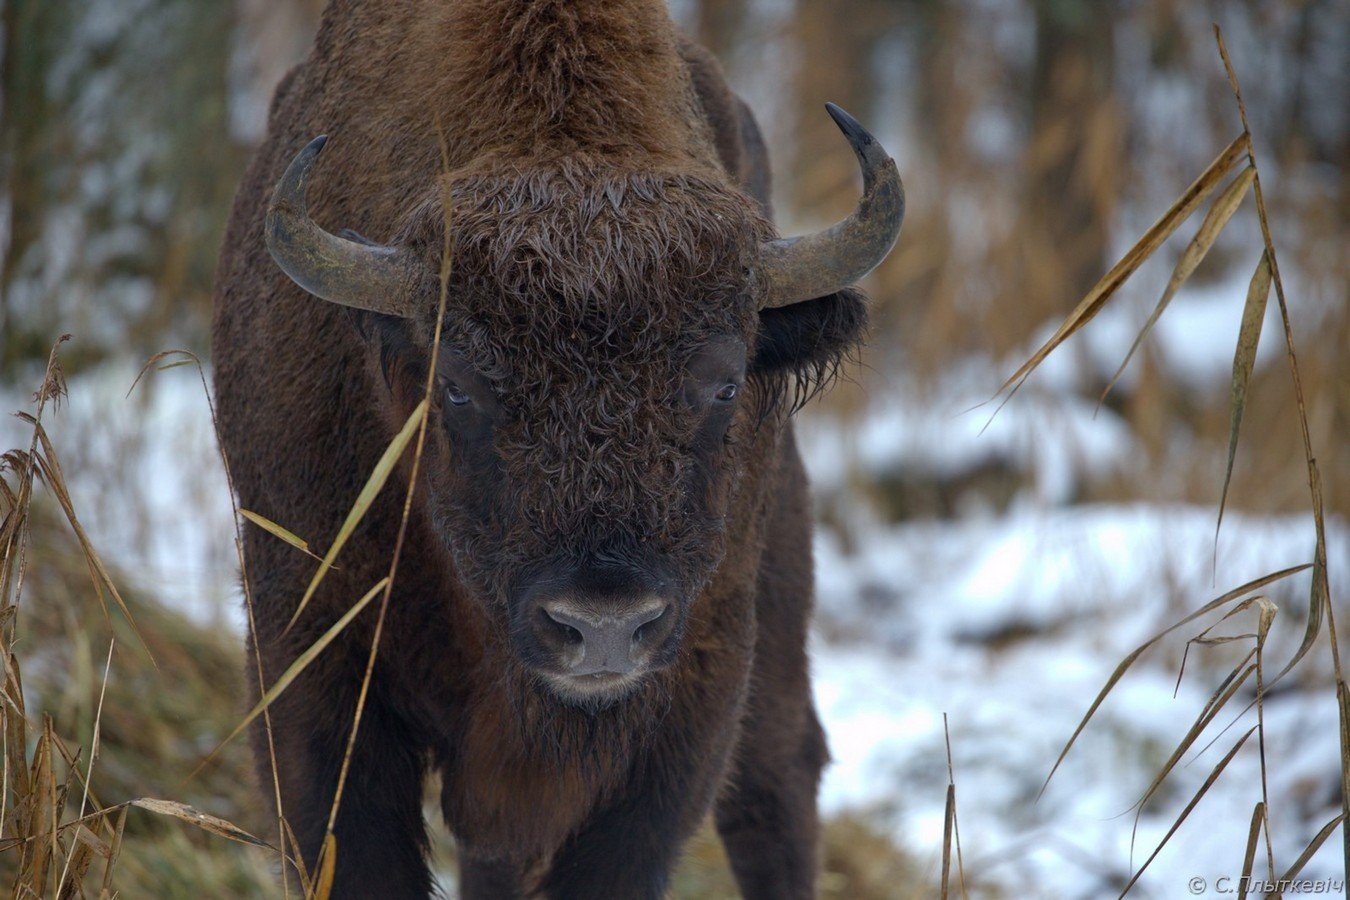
(567, 264)
(579, 292)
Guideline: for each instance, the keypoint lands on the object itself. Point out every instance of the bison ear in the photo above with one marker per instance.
(806, 342)
(390, 341)
(388, 336)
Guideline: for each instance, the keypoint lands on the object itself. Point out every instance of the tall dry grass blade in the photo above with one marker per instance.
(282, 827)
(173, 809)
(1152, 239)
(17, 778)
(1249, 858)
(1244, 361)
(189, 358)
(205, 821)
(447, 263)
(951, 829)
(1204, 639)
(93, 756)
(1321, 597)
(61, 794)
(277, 531)
(288, 838)
(323, 887)
(1216, 703)
(72, 761)
(77, 865)
(294, 670)
(90, 818)
(1343, 705)
(1266, 613)
(1129, 660)
(13, 536)
(1267, 619)
(1321, 594)
(1194, 801)
(948, 826)
(60, 791)
(99, 846)
(1242, 669)
(383, 469)
(37, 814)
(1319, 601)
(114, 850)
(1218, 216)
(53, 387)
(1313, 846)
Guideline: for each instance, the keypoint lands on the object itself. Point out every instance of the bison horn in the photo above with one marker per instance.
(817, 265)
(362, 275)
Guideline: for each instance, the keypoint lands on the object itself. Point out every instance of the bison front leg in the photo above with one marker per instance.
(766, 813)
(628, 850)
(767, 816)
(380, 835)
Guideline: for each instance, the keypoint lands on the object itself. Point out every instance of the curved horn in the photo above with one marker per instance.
(816, 265)
(365, 276)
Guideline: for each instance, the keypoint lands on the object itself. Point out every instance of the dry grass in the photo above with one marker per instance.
(1244, 602)
(107, 706)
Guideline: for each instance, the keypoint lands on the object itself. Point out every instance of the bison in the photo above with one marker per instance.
(596, 634)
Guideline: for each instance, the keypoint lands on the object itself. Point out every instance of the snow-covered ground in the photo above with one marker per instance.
(1009, 619)
(1006, 621)
(1010, 628)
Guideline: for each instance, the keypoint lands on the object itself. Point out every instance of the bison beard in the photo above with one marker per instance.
(597, 633)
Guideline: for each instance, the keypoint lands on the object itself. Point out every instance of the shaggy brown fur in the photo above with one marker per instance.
(607, 197)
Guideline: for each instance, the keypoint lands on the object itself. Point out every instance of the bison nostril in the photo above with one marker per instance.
(646, 628)
(562, 629)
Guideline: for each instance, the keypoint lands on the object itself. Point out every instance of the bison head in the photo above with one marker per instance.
(615, 346)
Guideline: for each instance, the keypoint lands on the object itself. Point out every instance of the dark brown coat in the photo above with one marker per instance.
(570, 100)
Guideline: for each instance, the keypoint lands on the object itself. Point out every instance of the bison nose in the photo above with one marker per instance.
(615, 641)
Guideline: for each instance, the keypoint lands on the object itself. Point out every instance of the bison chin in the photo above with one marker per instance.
(592, 693)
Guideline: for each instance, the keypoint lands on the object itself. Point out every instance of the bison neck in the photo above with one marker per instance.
(528, 81)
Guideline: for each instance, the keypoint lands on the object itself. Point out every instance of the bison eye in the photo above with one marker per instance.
(727, 393)
(454, 395)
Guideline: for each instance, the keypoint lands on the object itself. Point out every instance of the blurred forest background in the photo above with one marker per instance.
(1015, 564)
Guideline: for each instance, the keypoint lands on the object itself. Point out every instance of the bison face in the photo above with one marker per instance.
(584, 496)
(615, 352)
(595, 406)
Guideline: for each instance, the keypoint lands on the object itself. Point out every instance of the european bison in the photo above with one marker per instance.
(597, 629)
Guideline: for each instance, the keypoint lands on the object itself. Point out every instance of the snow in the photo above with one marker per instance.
(1054, 437)
(1010, 627)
